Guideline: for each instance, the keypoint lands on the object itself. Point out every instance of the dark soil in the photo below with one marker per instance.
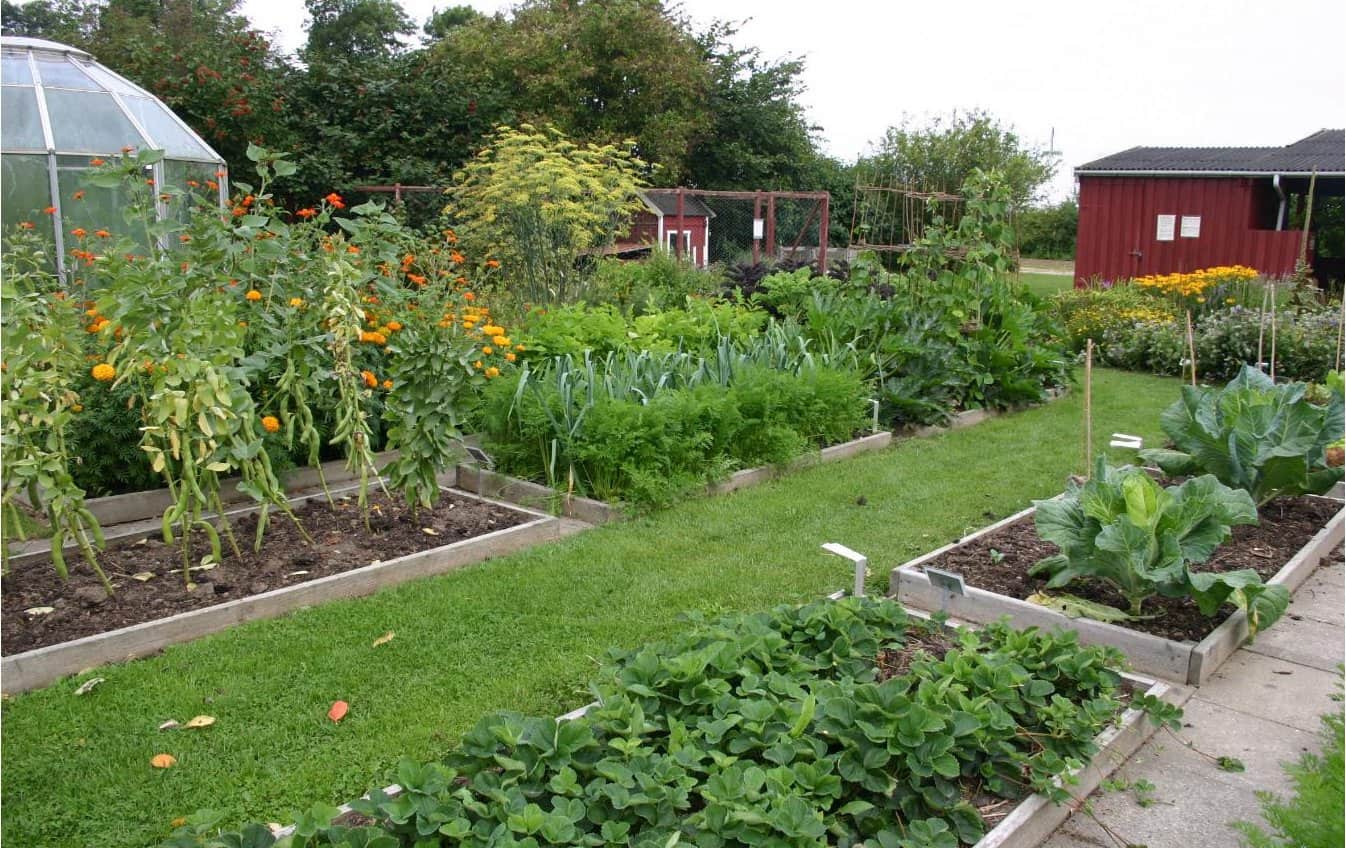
(895, 662)
(1286, 525)
(341, 543)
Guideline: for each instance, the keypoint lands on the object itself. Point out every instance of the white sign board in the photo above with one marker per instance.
(1191, 226)
(1164, 227)
(758, 228)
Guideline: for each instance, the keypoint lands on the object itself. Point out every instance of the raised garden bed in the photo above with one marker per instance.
(1007, 824)
(85, 628)
(1179, 643)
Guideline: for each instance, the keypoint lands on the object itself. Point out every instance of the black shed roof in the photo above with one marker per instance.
(667, 204)
(1324, 152)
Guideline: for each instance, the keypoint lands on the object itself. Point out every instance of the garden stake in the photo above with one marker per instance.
(1088, 406)
(1191, 346)
(1261, 326)
(1273, 331)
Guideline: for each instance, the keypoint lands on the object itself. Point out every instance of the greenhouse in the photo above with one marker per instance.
(63, 110)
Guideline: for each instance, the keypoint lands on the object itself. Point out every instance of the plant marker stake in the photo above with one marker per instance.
(873, 402)
(1123, 440)
(1088, 407)
(1191, 347)
(861, 564)
(1273, 332)
(1262, 326)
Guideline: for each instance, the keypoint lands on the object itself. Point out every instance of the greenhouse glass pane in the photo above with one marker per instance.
(180, 175)
(89, 122)
(111, 81)
(97, 209)
(58, 73)
(24, 191)
(165, 132)
(21, 128)
(14, 69)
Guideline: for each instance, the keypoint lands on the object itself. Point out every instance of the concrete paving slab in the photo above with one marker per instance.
(1323, 595)
(1267, 687)
(1309, 642)
(1193, 800)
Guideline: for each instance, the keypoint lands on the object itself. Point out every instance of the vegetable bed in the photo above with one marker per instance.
(1174, 640)
(836, 723)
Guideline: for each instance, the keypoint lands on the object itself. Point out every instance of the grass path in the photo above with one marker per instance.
(517, 633)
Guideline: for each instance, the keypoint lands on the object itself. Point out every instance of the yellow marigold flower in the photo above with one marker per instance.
(509, 357)
(77, 407)
(370, 380)
(502, 341)
(519, 347)
(103, 373)
(1230, 301)
(271, 423)
(296, 302)
(492, 372)
(253, 295)
(387, 384)
(488, 350)
(477, 365)
(373, 338)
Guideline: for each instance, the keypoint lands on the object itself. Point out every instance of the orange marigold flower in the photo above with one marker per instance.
(79, 195)
(350, 248)
(79, 232)
(492, 372)
(469, 296)
(373, 338)
(488, 350)
(519, 348)
(221, 173)
(387, 384)
(370, 380)
(492, 263)
(457, 257)
(394, 325)
(307, 212)
(102, 233)
(50, 210)
(253, 295)
(239, 211)
(417, 279)
(335, 200)
(25, 225)
(509, 357)
(193, 184)
(96, 162)
(271, 423)
(103, 373)
(212, 185)
(184, 238)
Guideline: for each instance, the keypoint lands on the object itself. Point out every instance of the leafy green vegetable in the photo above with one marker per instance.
(1123, 528)
(1254, 435)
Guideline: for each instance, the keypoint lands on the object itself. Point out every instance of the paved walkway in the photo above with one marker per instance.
(1262, 707)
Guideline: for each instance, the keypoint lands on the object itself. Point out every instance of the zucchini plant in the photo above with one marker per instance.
(1123, 528)
(1264, 438)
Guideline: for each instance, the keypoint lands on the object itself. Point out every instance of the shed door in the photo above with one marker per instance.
(689, 250)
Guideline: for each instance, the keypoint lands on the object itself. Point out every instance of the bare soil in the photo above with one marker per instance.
(1286, 526)
(340, 543)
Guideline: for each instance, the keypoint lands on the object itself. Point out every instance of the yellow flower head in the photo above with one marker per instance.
(103, 373)
(271, 423)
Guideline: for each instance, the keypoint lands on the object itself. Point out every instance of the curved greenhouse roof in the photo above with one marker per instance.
(61, 108)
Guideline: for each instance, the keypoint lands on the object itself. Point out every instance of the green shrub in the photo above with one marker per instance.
(1049, 232)
(660, 282)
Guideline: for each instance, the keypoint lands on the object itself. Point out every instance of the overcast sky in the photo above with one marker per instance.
(1103, 76)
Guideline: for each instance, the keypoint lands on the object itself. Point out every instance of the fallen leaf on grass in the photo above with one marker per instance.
(338, 711)
(142, 576)
(87, 686)
(171, 724)
(164, 761)
(200, 721)
(39, 610)
(384, 639)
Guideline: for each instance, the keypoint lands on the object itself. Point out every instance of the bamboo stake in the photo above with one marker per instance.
(1088, 408)
(1308, 216)
(1261, 327)
(1340, 362)
(1191, 347)
(1273, 332)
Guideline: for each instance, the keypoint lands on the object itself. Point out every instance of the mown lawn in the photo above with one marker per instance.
(520, 633)
(1045, 285)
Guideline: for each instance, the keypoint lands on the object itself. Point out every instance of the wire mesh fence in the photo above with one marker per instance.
(749, 227)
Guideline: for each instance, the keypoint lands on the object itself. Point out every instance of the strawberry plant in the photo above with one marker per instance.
(830, 724)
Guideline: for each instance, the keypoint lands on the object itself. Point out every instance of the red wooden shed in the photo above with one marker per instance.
(657, 223)
(1163, 210)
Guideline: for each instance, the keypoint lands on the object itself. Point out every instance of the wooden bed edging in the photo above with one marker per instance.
(1185, 662)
